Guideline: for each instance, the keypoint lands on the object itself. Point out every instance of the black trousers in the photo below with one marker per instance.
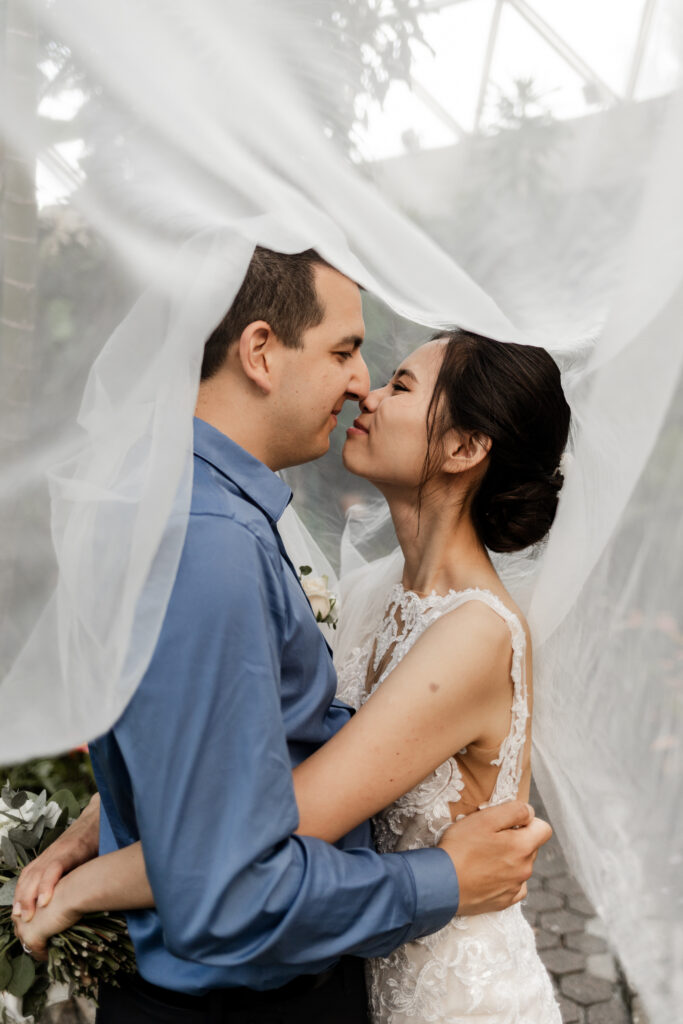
(335, 997)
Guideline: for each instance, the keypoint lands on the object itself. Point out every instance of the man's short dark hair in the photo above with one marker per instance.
(278, 288)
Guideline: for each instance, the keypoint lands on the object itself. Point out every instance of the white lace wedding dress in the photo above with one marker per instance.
(485, 968)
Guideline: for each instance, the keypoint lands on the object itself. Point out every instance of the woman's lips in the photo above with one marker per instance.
(357, 430)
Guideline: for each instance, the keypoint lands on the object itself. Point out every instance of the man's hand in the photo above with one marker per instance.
(493, 852)
(48, 921)
(37, 881)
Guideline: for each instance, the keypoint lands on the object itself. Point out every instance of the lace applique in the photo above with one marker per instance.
(487, 965)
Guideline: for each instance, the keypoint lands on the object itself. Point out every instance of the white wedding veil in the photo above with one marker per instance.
(510, 166)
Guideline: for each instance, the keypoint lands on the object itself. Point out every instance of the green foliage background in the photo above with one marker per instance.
(72, 771)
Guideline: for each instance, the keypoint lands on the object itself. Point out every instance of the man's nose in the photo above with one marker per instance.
(359, 385)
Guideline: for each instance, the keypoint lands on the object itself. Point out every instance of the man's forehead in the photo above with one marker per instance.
(332, 284)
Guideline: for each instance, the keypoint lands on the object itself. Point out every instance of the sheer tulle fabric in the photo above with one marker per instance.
(522, 179)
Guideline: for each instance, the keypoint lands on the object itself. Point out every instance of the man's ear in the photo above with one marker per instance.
(463, 451)
(255, 350)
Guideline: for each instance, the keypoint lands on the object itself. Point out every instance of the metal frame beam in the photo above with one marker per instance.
(565, 51)
(488, 59)
(640, 47)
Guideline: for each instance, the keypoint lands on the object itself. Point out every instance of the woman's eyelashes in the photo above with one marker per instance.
(397, 386)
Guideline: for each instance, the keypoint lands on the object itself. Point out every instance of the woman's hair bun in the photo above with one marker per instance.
(513, 518)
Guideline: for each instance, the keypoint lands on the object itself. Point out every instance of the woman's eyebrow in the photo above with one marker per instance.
(403, 372)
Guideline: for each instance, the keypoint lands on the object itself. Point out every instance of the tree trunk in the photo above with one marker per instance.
(19, 218)
(18, 354)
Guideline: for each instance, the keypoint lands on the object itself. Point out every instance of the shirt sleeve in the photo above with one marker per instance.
(204, 743)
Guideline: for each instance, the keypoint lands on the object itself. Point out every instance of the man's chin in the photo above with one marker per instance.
(313, 453)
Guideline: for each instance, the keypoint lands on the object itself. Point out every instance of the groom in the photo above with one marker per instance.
(253, 922)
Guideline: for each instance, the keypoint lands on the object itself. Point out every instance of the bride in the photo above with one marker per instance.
(464, 442)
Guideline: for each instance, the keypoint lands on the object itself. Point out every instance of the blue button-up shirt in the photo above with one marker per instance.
(240, 688)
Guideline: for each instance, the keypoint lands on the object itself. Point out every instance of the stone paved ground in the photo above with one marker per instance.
(589, 983)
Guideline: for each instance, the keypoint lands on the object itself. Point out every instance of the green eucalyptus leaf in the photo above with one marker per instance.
(54, 833)
(23, 974)
(7, 850)
(5, 972)
(28, 838)
(67, 801)
(19, 799)
(34, 1003)
(7, 893)
(305, 570)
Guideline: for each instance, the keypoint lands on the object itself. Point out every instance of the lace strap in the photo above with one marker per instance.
(510, 758)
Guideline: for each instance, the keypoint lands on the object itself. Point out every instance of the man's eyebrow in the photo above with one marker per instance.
(352, 339)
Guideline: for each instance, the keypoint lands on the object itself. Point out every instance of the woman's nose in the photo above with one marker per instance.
(371, 400)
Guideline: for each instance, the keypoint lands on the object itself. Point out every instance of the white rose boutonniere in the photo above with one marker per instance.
(319, 595)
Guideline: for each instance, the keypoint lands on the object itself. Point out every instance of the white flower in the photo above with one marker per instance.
(318, 594)
(9, 815)
(52, 812)
(566, 463)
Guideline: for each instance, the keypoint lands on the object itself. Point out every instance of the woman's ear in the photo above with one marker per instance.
(463, 451)
(255, 353)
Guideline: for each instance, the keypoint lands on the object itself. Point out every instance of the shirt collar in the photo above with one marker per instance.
(259, 483)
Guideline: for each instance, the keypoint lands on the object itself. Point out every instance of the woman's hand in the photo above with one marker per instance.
(58, 915)
(79, 843)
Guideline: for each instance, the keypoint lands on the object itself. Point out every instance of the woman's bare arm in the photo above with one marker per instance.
(435, 702)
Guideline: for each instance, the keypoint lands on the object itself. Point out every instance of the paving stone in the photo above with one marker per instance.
(546, 940)
(541, 900)
(571, 1013)
(530, 915)
(563, 922)
(638, 1011)
(584, 943)
(585, 989)
(613, 1012)
(602, 965)
(572, 942)
(563, 961)
(596, 927)
(565, 884)
(550, 861)
(580, 905)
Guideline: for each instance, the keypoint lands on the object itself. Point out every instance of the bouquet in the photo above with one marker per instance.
(95, 950)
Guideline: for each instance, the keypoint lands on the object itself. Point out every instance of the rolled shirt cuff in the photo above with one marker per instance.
(437, 892)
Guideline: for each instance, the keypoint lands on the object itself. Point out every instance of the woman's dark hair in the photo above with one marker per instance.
(513, 395)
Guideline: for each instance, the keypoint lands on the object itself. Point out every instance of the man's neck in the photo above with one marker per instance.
(241, 425)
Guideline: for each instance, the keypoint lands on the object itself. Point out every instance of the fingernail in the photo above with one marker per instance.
(43, 899)
(16, 910)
